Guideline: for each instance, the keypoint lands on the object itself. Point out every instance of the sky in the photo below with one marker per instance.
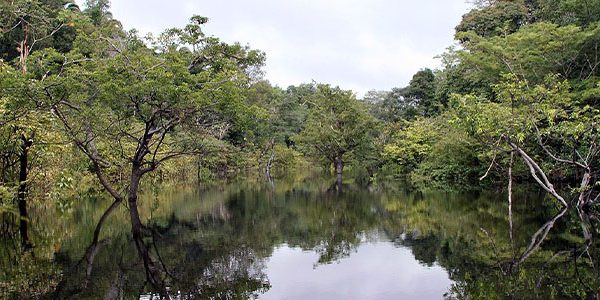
(357, 44)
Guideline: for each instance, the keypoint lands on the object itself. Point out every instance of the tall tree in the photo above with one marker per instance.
(26, 27)
(547, 119)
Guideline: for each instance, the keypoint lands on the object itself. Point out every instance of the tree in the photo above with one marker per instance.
(532, 53)
(293, 111)
(98, 11)
(390, 106)
(265, 135)
(495, 18)
(26, 27)
(564, 12)
(547, 119)
(337, 124)
(421, 91)
(126, 106)
(417, 99)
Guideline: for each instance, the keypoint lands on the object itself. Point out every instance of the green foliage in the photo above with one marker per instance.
(293, 111)
(390, 106)
(432, 153)
(155, 104)
(337, 124)
(524, 75)
(417, 99)
(7, 194)
(288, 160)
(40, 24)
(410, 144)
(520, 108)
(98, 11)
(245, 221)
(537, 118)
(92, 98)
(500, 18)
(29, 278)
(421, 91)
(533, 53)
(454, 160)
(565, 12)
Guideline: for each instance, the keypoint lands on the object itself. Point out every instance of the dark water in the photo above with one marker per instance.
(301, 239)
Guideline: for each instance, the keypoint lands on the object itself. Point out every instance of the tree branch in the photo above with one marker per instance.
(535, 170)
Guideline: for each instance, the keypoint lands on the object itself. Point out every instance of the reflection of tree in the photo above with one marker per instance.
(69, 288)
(214, 244)
(236, 276)
(472, 240)
(425, 249)
(217, 250)
(208, 264)
(539, 237)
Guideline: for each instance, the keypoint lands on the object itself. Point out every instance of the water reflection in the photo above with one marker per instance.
(297, 239)
(377, 269)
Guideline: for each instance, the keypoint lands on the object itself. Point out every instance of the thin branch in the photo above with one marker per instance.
(53, 32)
(539, 237)
(492, 163)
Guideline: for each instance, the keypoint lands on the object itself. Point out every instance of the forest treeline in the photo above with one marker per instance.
(85, 104)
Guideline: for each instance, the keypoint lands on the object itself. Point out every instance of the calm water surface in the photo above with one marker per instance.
(301, 239)
(377, 270)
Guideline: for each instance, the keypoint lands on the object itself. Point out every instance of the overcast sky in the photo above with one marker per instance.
(356, 44)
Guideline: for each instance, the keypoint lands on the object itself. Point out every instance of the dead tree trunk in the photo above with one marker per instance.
(538, 174)
(270, 161)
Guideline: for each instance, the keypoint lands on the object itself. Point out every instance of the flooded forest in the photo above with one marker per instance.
(168, 165)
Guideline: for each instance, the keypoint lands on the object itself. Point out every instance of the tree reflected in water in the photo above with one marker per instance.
(215, 243)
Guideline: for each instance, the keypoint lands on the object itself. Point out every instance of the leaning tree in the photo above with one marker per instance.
(130, 105)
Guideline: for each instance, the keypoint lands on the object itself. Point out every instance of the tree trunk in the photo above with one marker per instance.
(510, 184)
(92, 250)
(22, 192)
(271, 159)
(152, 273)
(339, 169)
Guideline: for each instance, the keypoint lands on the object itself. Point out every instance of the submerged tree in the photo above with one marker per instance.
(337, 125)
(130, 108)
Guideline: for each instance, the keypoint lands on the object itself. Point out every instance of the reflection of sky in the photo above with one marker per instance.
(377, 270)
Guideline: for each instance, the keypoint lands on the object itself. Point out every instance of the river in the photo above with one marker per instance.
(300, 238)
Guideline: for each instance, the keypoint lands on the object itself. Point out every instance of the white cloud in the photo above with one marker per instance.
(357, 44)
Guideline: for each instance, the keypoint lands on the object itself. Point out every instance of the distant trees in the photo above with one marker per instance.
(416, 99)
